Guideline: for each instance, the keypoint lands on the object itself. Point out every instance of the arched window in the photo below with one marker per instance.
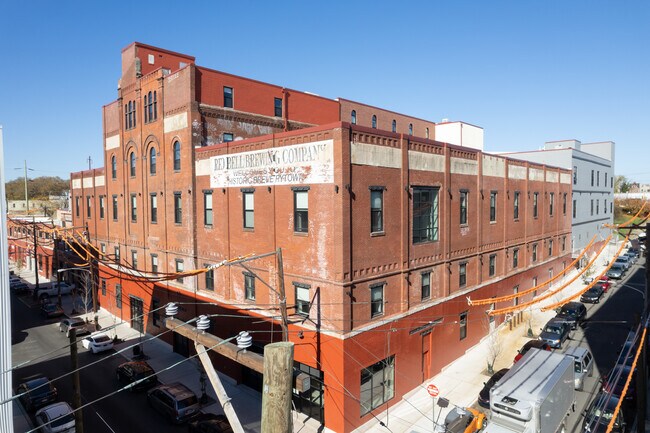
(177, 155)
(410, 129)
(113, 167)
(394, 125)
(427, 132)
(152, 161)
(132, 164)
(150, 108)
(353, 117)
(374, 121)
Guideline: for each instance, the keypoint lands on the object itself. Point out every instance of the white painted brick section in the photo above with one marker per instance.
(493, 166)
(565, 178)
(516, 172)
(536, 174)
(376, 156)
(551, 176)
(426, 162)
(88, 182)
(112, 142)
(463, 166)
(203, 167)
(76, 183)
(176, 122)
(100, 180)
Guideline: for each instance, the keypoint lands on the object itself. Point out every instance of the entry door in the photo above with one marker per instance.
(426, 356)
(137, 319)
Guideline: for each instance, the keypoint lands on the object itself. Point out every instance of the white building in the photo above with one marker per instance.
(593, 183)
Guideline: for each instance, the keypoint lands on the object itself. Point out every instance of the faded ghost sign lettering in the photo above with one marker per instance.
(298, 164)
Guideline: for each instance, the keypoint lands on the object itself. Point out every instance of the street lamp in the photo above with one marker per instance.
(92, 290)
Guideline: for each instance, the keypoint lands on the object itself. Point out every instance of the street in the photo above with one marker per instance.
(38, 339)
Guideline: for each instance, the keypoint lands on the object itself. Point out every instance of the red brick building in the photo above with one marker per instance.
(384, 232)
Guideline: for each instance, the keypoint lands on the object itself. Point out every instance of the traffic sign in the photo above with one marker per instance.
(433, 390)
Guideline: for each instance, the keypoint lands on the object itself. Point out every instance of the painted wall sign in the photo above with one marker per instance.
(306, 163)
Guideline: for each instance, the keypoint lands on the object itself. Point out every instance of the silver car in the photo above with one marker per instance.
(56, 418)
(583, 365)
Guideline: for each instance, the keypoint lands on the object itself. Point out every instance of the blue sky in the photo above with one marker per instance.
(525, 71)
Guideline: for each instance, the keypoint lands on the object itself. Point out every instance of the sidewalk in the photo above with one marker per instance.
(462, 380)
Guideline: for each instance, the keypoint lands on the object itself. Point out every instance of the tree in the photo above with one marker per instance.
(621, 184)
(38, 188)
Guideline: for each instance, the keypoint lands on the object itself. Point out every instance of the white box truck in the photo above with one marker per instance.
(535, 396)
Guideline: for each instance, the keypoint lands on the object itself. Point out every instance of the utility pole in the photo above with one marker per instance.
(283, 297)
(76, 385)
(90, 161)
(35, 248)
(642, 369)
(26, 196)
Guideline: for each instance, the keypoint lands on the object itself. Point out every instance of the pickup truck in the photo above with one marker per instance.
(49, 290)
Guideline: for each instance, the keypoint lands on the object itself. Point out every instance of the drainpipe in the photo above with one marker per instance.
(285, 108)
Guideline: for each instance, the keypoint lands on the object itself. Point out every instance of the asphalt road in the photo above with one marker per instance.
(39, 340)
(604, 332)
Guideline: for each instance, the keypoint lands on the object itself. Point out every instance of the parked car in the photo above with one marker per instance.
(210, 423)
(583, 365)
(37, 391)
(600, 412)
(484, 394)
(532, 344)
(628, 351)
(616, 379)
(59, 416)
(175, 401)
(51, 290)
(605, 283)
(593, 295)
(615, 272)
(555, 333)
(133, 371)
(19, 288)
(98, 342)
(73, 322)
(624, 261)
(573, 313)
(49, 309)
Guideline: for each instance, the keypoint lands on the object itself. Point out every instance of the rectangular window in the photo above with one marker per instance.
(564, 204)
(180, 267)
(611, 207)
(550, 247)
(154, 263)
(551, 203)
(563, 243)
(575, 174)
(592, 207)
(463, 207)
(249, 209)
(462, 274)
(463, 325)
(134, 208)
(592, 178)
(102, 206)
(597, 206)
(426, 285)
(249, 285)
(116, 251)
(598, 178)
(376, 300)
(134, 259)
(377, 210)
(102, 248)
(300, 211)
(515, 258)
(114, 208)
(209, 279)
(76, 206)
(492, 269)
(534, 253)
(155, 312)
(103, 287)
(153, 202)
(377, 384)
(88, 206)
(277, 107)
(118, 296)
(302, 299)
(516, 204)
(227, 97)
(178, 208)
(515, 301)
(207, 208)
(575, 210)
(425, 215)
(493, 206)
(535, 197)
(228, 137)
(605, 206)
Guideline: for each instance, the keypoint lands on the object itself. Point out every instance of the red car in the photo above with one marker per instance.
(537, 344)
(605, 283)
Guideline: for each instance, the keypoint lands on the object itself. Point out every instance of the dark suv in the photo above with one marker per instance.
(135, 371)
(572, 313)
(37, 392)
(176, 401)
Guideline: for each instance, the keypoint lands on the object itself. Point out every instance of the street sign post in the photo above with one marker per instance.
(433, 392)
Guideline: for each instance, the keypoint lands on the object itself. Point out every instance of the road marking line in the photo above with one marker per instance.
(109, 427)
